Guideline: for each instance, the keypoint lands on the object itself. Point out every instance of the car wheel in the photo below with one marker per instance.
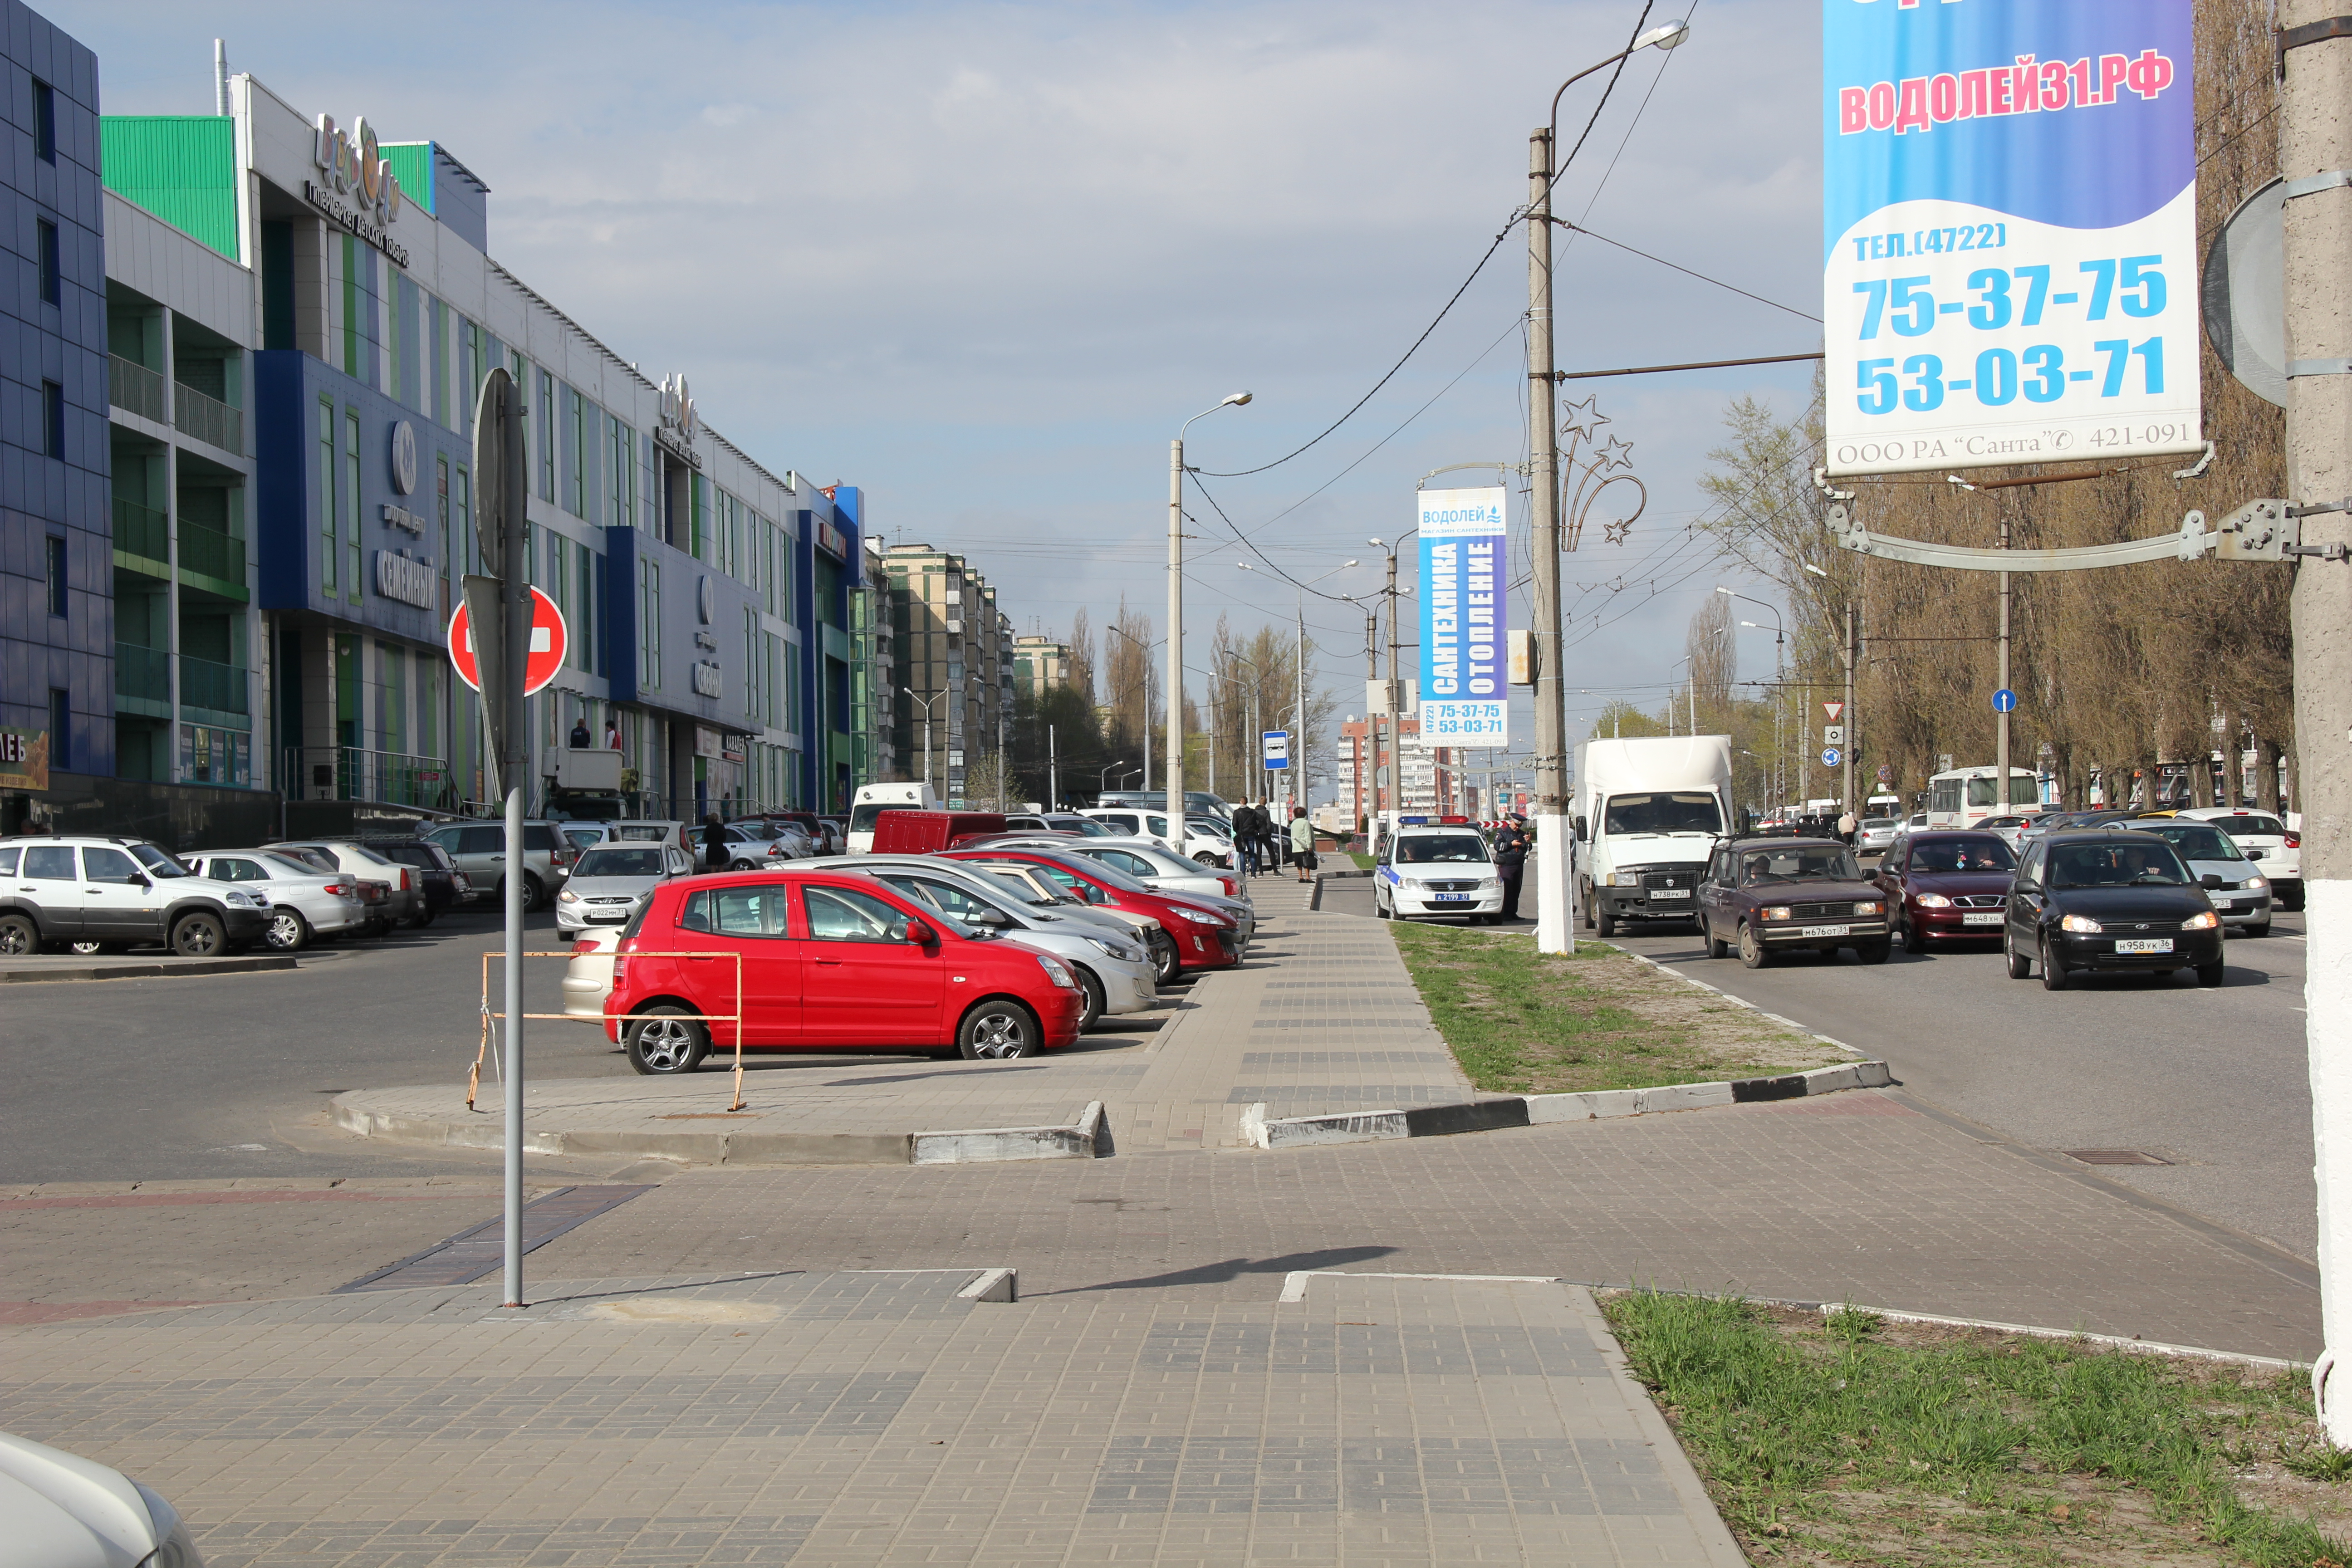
(1093, 990)
(1604, 918)
(2209, 976)
(2018, 966)
(1752, 951)
(1380, 909)
(418, 922)
(287, 931)
(668, 1039)
(2292, 902)
(1206, 859)
(1167, 963)
(2054, 974)
(1913, 941)
(198, 935)
(1715, 946)
(1587, 910)
(19, 937)
(534, 896)
(2260, 929)
(1875, 951)
(997, 1031)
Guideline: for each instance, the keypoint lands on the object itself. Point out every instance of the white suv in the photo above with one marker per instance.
(2265, 838)
(1437, 872)
(113, 893)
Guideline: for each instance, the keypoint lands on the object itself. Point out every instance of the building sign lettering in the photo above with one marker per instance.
(355, 187)
(680, 422)
(24, 759)
(406, 579)
(832, 541)
(402, 518)
(708, 681)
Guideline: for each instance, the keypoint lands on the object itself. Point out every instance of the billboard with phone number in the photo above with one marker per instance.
(1466, 608)
(2010, 216)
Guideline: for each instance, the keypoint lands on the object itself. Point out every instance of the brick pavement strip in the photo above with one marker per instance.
(873, 1418)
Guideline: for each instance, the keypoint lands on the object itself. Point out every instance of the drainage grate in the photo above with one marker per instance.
(2114, 1157)
(471, 1254)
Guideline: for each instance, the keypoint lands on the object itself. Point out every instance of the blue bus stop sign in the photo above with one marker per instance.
(2004, 701)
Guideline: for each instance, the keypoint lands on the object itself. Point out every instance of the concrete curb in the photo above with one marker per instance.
(177, 969)
(1785, 1021)
(1089, 1138)
(1542, 1109)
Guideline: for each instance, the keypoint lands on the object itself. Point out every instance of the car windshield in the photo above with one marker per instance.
(1799, 863)
(2260, 826)
(616, 862)
(299, 868)
(1420, 848)
(1108, 876)
(1691, 813)
(157, 863)
(1876, 822)
(1162, 864)
(1086, 827)
(1985, 854)
(2109, 864)
(1020, 886)
(2198, 841)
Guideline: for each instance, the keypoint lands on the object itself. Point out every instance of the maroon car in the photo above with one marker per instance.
(1946, 886)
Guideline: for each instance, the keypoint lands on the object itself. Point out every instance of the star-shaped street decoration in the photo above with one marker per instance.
(1614, 453)
(1583, 419)
(1618, 533)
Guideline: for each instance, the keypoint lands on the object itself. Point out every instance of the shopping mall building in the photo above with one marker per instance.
(254, 485)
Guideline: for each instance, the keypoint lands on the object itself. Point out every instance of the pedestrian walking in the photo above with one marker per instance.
(1270, 836)
(1847, 826)
(1245, 838)
(1302, 842)
(714, 842)
(1511, 862)
(581, 740)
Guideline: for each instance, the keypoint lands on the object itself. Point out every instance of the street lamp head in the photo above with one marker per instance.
(1243, 565)
(1815, 570)
(1725, 592)
(1375, 542)
(1238, 398)
(1350, 561)
(1752, 626)
(1663, 37)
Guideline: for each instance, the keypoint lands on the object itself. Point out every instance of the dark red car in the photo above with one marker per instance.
(1205, 938)
(830, 961)
(1941, 887)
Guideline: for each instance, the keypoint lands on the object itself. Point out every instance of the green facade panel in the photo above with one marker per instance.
(412, 165)
(181, 167)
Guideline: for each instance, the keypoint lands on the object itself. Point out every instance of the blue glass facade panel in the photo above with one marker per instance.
(703, 614)
(45, 494)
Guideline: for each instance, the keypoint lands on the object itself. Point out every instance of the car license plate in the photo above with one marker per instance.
(1826, 930)
(2225, 903)
(1989, 918)
(1449, 898)
(2145, 944)
(1670, 893)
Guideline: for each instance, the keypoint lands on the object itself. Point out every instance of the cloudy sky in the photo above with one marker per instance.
(983, 259)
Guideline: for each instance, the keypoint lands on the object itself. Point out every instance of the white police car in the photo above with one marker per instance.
(1446, 869)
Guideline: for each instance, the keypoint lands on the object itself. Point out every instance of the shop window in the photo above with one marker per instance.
(329, 497)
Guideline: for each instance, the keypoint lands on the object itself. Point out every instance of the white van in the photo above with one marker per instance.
(873, 800)
(1648, 813)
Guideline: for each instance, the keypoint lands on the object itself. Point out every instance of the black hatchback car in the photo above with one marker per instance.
(1766, 896)
(2108, 902)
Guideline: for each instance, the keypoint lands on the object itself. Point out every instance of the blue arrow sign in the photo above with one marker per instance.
(1831, 756)
(2004, 701)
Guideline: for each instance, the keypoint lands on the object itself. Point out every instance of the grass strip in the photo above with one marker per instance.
(1520, 1022)
(1858, 1441)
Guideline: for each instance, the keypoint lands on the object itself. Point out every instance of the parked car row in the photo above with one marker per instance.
(1002, 946)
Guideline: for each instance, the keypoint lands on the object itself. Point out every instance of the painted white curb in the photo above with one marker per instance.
(981, 1145)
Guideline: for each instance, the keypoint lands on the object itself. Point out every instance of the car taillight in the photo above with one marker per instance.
(1232, 888)
(403, 879)
(2295, 840)
(340, 889)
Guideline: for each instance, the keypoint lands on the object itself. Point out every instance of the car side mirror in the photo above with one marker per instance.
(996, 920)
(918, 934)
(2211, 879)
(1583, 830)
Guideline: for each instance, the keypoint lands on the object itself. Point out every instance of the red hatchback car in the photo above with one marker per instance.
(1946, 885)
(830, 961)
(1204, 939)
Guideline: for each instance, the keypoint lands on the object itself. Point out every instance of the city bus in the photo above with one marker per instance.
(1967, 796)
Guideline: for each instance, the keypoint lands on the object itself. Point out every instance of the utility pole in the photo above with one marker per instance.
(1174, 767)
(1371, 718)
(2000, 715)
(1052, 773)
(1299, 779)
(1396, 692)
(2316, 138)
(1853, 727)
(1554, 823)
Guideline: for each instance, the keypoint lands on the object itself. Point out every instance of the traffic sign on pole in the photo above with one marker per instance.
(1276, 749)
(1834, 734)
(1836, 710)
(550, 638)
(2004, 701)
(1831, 756)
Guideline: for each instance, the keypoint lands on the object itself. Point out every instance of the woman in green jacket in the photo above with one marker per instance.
(1302, 842)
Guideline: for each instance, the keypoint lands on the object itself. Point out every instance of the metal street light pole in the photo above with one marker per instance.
(1552, 818)
(1175, 765)
(926, 703)
(1302, 780)
(1147, 648)
(1780, 645)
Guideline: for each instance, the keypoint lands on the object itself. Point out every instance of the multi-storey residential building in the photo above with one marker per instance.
(873, 672)
(1039, 665)
(288, 322)
(954, 666)
(1410, 778)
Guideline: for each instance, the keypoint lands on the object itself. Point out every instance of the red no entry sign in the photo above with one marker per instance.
(548, 639)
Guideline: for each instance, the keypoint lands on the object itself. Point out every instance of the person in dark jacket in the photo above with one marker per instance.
(714, 847)
(1245, 838)
(1511, 862)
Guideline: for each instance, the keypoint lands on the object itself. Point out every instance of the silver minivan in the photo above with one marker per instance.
(479, 848)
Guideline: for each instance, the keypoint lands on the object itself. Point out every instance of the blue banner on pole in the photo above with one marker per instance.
(1466, 608)
(2009, 217)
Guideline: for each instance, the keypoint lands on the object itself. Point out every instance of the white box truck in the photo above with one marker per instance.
(1648, 814)
(873, 800)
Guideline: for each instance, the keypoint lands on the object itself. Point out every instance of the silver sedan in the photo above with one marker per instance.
(304, 901)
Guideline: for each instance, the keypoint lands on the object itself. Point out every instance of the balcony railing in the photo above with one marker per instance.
(212, 554)
(141, 530)
(350, 772)
(207, 418)
(204, 684)
(142, 672)
(133, 388)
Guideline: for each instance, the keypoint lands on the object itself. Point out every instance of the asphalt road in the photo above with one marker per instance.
(2214, 1081)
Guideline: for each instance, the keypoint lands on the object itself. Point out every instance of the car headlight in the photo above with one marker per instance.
(2086, 925)
(1489, 883)
(1934, 901)
(2256, 882)
(1875, 908)
(567, 897)
(236, 900)
(1199, 918)
(2205, 922)
(1057, 972)
(1776, 913)
(1123, 953)
(177, 1549)
(1624, 879)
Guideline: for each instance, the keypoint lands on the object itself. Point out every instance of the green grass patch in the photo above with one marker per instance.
(1363, 861)
(1859, 1441)
(1521, 1022)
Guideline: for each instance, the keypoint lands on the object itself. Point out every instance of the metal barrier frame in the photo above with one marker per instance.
(474, 1077)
